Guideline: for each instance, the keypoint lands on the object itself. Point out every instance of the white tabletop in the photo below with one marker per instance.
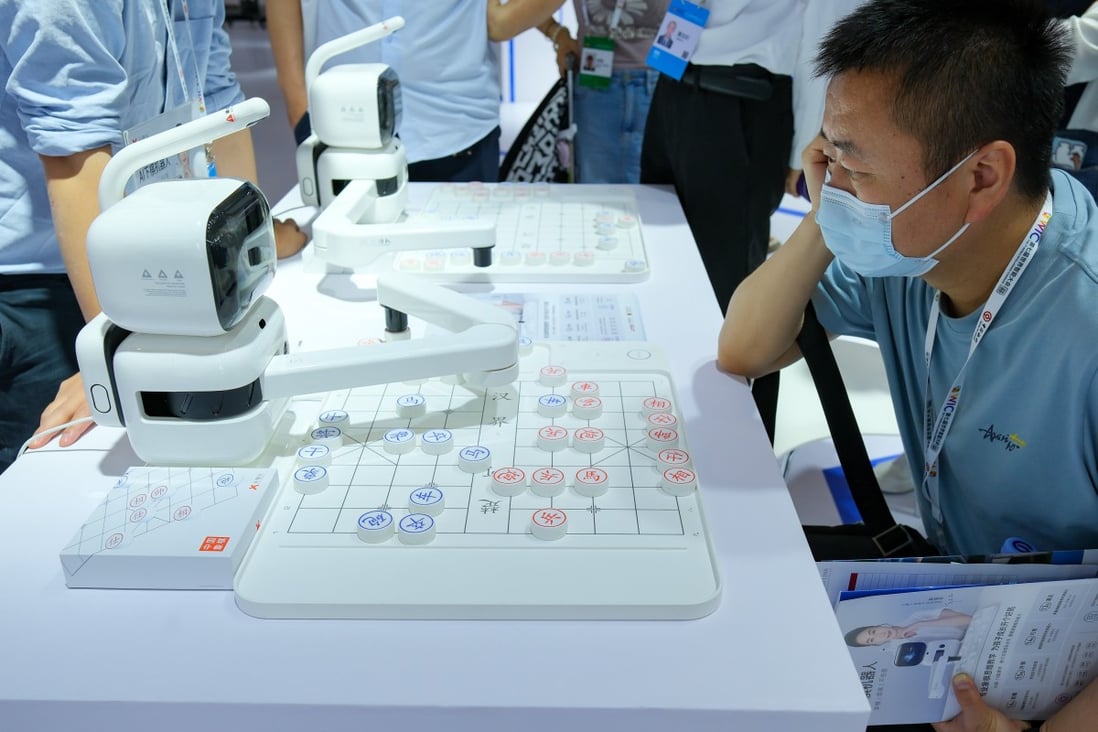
(769, 658)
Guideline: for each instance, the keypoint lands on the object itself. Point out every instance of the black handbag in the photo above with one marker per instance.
(878, 535)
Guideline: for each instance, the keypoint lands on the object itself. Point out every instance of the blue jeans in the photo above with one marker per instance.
(610, 126)
(39, 320)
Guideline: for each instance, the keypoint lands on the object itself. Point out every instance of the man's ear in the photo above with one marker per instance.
(993, 171)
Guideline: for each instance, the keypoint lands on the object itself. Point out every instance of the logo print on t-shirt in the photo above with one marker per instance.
(1010, 442)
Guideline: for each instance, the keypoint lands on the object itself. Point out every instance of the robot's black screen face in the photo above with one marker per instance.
(240, 250)
(388, 105)
(910, 653)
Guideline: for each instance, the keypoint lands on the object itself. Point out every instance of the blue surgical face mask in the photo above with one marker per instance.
(859, 234)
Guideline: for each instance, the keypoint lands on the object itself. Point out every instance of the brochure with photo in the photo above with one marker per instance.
(1030, 647)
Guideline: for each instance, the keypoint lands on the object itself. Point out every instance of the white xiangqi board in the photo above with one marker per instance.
(544, 233)
(568, 494)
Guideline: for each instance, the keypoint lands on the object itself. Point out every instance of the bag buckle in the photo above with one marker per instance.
(895, 537)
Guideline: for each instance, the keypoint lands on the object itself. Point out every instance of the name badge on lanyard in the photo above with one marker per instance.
(194, 163)
(677, 38)
(178, 166)
(596, 62)
(597, 57)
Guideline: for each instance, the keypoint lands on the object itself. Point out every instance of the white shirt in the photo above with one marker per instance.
(782, 36)
(1083, 30)
(763, 32)
(809, 90)
(935, 632)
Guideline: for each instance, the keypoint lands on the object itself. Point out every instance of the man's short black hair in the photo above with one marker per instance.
(968, 73)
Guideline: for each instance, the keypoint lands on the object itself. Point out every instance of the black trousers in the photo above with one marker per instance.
(727, 156)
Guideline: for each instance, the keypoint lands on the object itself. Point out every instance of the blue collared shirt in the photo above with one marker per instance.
(76, 74)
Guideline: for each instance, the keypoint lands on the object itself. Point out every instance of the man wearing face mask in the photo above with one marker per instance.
(939, 231)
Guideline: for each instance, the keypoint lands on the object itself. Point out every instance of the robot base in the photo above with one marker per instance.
(181, 371)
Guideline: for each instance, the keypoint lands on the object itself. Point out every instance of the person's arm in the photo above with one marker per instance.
(568, 51)
(1078, 715)
(767, 309)
(507, 20)
(808, 88)
(72, 182)
(565, 46)
(235, 156)
(285, 29)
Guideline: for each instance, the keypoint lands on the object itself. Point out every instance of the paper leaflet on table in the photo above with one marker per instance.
(1030, 647)
(573, 317)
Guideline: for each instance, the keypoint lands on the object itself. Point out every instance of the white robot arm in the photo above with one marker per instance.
(354, 167)
(482, 346)
(188, 355)
(217, 400)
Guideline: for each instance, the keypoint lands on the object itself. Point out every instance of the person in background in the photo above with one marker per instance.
(719, 129)
(808, 88)
(609, 112)
(1075, 147)
(449, 77)
(77, 74)
(722, 134)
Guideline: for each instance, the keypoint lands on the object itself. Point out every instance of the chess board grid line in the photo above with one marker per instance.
(628, 447)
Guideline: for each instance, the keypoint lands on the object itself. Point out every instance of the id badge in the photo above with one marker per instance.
(677, 38)
(189, 164)
(596, 62)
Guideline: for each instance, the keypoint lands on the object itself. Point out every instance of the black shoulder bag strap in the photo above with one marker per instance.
(890, 537)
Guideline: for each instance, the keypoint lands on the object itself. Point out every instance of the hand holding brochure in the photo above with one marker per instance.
(1030, 647)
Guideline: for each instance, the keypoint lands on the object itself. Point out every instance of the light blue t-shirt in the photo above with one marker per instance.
(76, 74)
(1021, 458)
(449, 72)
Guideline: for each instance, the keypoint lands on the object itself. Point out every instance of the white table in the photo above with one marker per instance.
(770, 658)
